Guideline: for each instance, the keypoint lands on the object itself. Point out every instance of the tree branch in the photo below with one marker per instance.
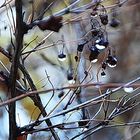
(14, 70)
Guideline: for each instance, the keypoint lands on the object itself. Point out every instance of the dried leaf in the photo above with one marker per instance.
(53, 24)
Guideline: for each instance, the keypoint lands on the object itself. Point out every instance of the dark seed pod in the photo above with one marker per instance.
(53, 24)
(111, 61)
(61, 94)
(103, 74)
(5, 27)
(114, 23)
(101, 43)
(104, 22)
(94, 54)
(106, 43)
(80, 47)
(104, 19)
(70, 78)
(62, 57)
(76, 58)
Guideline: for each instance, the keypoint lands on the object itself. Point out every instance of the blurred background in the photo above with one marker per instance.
(48, 70)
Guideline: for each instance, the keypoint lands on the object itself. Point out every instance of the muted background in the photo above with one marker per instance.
(125, 40)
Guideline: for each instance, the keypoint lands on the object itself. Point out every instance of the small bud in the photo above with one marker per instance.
(61, 94)
(5, 27)
(103, 74)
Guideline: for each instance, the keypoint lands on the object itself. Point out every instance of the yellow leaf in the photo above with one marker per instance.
(32, 110)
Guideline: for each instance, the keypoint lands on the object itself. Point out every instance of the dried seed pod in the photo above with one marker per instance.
(80, 47)
(76, 58)
(114, 23)
(53, 24)
(104, 19)
(62, 57)
(101, 43)
(93, 57)
(111, 61)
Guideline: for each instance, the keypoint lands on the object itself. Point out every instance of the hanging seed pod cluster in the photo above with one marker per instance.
(95, 41)
(98, 41)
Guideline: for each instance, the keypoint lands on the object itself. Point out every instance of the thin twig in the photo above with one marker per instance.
(95, 85)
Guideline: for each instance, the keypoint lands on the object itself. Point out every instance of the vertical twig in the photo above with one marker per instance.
(14, 70)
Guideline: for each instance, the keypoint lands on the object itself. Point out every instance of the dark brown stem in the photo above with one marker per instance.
(19, 34)
(13, 133)
(14, 70)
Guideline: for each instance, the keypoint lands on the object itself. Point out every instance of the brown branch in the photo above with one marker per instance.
(95, 85)
(20, 31)
(14, 70)
(88, 103)
(59, 126)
